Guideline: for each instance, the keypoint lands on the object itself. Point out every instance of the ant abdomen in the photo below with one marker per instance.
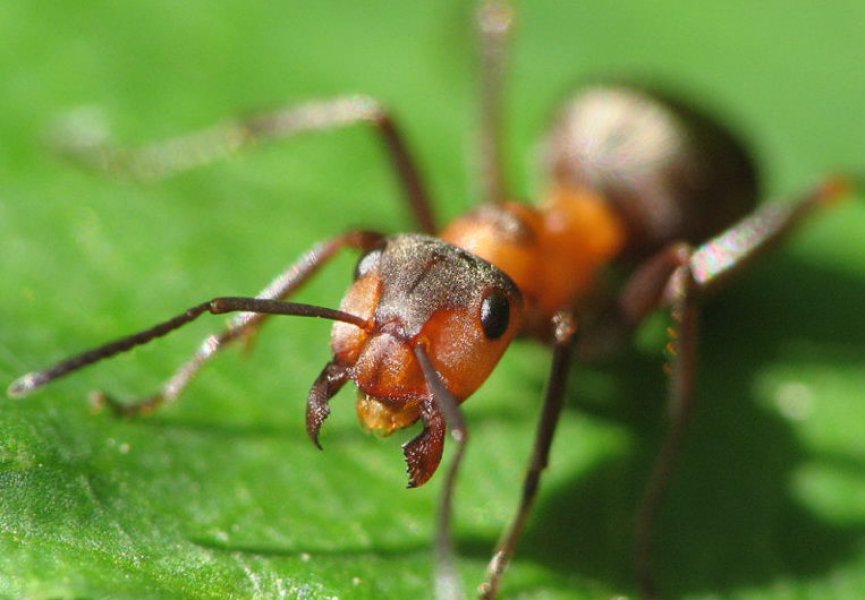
(671, 172)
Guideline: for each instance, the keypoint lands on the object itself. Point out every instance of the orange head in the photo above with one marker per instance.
(417, 291)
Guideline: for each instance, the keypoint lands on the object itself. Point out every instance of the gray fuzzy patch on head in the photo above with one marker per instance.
(422, 274)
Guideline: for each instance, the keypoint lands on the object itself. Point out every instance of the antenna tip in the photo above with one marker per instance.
(24, 385)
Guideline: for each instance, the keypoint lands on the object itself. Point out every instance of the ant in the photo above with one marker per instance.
(636, 180)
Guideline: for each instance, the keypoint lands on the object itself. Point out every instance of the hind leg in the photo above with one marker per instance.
(679, 278)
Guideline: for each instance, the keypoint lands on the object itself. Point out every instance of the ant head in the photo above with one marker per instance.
(418, 291)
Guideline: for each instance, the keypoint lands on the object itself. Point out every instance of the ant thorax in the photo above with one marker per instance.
(553, 251)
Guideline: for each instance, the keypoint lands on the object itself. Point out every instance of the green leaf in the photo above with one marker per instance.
(222, 495)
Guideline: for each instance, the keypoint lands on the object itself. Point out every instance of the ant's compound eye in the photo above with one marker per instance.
(367, 263)
(495, 314)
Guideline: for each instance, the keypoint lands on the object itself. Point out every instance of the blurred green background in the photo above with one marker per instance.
(223, 496)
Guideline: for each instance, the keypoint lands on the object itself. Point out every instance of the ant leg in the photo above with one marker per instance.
(423, 454)
(680, 278)
(564, 336)
(728, 253)
(91, 148)
(682, 370)
(494, 21)
(243, 325)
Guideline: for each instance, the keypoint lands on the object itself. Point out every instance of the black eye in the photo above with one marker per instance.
(495, 314)
(367, 263)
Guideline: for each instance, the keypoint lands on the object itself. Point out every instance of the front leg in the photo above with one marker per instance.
(564, 331)
(242, 326)
(423, 455)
